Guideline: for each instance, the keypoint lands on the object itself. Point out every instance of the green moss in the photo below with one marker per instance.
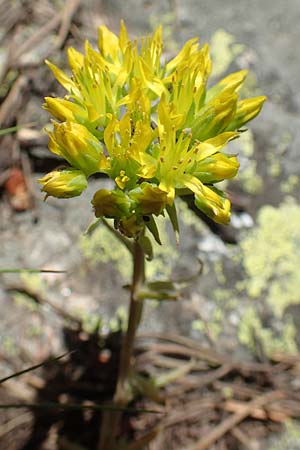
(250, 87)
(26, 301)
(215, 324)
(91, 321)
(9, 346)
(290, 184)
(221, 295)
(224, 49)
(246, 143)
(285, 140)
(248, 176)
(250, 180)
(218, 269)
(119, 321)
(169, 21)
(188, 217)
(253, 334)
(35, 331)
(103, 247)
(34, 282)
(289, 439)
(271, 256)
(274, 167)
(198, 325)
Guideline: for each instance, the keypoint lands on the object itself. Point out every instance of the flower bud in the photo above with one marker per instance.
(111, 204)
(77, 145)
(64, 183)
(131, 226)
(64, 109)
(214, 204)
(246, 110)
(217, 168)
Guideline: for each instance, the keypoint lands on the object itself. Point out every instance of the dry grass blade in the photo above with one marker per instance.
(14, 99)
(235, 419)
(139, 444)
(37, 37)
(69, 11)
(14, 423)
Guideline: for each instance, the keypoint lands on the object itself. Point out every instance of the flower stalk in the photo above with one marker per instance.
(111, 424)
(135, 312)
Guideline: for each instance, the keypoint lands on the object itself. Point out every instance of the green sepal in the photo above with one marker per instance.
(92, 226)
(152, 227)
(172, 213)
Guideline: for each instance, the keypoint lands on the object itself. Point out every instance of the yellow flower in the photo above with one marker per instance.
(153, 128)
(125, 144)
(149, 199)
(64, 183)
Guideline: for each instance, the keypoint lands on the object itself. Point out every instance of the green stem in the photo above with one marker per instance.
(111, 423)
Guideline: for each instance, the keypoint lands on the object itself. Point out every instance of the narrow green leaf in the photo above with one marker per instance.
(146, 245)
(11, 130)
(146, 387)
(166, 285)
(152, 227)
(92, 227)
(31, 271)
(75, 407)
(173, 375)
(172, 213)
(160, 296)
(29, 369)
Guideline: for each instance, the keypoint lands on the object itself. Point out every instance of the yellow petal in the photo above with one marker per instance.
(108, 42)
(123, 37)
(75, 58)
(61, 77)
(231, 83)
(247, 110)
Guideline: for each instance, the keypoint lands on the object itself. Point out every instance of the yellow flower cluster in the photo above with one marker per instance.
(152, 127)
